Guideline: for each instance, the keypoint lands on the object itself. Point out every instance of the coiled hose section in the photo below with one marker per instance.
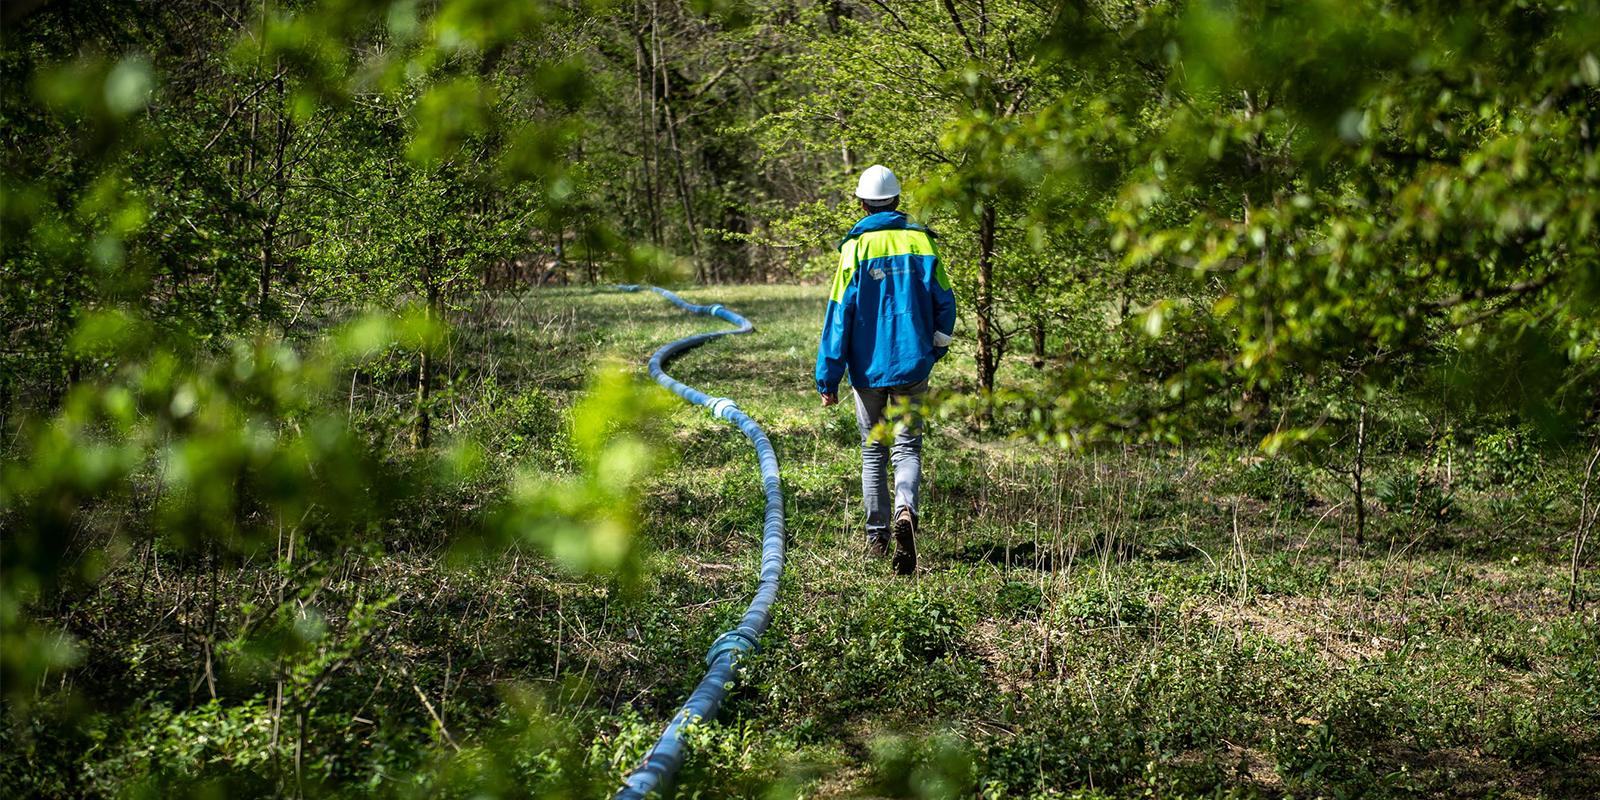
(725, 653)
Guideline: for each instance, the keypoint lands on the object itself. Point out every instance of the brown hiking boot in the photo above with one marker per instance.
(877, 546)
(905, 542)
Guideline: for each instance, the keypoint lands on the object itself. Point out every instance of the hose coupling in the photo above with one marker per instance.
(723, 408)
(736, 641)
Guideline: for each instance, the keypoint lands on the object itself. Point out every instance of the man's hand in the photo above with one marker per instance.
(830, 399)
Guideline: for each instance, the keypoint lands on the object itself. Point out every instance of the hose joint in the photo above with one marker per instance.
(722, 408)
(736, 641)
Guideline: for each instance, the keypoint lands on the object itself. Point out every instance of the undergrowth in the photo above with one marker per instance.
(1177, 621)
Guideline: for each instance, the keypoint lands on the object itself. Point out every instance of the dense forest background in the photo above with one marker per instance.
(290, 339)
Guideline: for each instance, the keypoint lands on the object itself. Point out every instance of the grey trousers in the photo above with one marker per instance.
(906, 454)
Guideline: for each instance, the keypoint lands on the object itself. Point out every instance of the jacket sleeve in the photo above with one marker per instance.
(835, 341)
(944, 304)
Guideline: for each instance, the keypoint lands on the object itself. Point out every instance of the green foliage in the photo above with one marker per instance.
(1273, 480)
(587, 520)
(532, 750)
(162, 750)
(1394, 195)
(1320, 757)
(1182, 686)
(527, 427)
(1579, 644)
(220, 456)
(226, 569)
(1417, 498)
(1065, 759)
(917, 626)
(1506, 458)
(1527, 737)
(936, 767)
(243, 458)
(1018, 599)
(1098, 608)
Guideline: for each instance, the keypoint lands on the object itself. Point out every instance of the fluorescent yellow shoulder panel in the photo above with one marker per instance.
(881, 244)
(847, 270)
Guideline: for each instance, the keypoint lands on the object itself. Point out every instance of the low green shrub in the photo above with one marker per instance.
(1018, 599)
(1526, 736)
(1098, 608)
(919, 624)
(1273, 480)
(1077, 751)
(527, 427)
(1418, 497)
(1506, 458)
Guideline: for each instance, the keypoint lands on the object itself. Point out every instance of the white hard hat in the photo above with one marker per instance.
(877, 183)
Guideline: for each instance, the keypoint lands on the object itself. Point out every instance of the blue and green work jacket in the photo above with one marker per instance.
(890, 307)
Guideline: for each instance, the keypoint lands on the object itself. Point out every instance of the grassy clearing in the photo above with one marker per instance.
(1179, 621)
(1186, 620)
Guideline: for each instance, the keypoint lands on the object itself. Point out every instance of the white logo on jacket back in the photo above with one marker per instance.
(877, 273)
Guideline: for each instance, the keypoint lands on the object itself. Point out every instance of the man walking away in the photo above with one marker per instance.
(890, 317)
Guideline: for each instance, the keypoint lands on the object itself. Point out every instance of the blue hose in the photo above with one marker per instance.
(725, 653)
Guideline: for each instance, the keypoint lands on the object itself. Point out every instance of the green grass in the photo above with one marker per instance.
(1095, 620)
(1124, 622)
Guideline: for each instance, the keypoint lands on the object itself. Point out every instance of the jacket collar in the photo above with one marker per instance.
(884, 221)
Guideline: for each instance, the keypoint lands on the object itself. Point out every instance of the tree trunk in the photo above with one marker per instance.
(5, 395)
(987, 355)
(671, 118)
(1361, 455)
(65, 367)
(1588, 515)
(279, 182)
(646, 73)
(683, 184)
(832, 12)
(655, 126)
(264, 285)
(421, 435)
(1038, 341)
(211, 625)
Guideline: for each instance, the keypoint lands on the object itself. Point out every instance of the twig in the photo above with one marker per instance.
(1586, 521)
(429, 706)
